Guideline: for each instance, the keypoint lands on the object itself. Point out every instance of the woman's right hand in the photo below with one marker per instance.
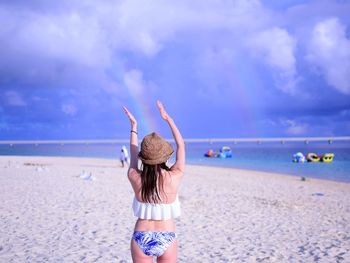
(131, 117)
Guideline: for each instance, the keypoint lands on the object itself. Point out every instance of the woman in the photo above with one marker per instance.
(156, 202)
(124, 156)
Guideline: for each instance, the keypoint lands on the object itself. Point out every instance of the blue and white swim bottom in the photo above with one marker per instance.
(153, 243)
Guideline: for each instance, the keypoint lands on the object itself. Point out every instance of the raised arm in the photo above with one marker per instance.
(134, 143)
(180, 144)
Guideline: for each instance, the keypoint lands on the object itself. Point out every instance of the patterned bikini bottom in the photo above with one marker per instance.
(154, 243)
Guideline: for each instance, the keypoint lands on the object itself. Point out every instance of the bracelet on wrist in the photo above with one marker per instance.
(132, 131)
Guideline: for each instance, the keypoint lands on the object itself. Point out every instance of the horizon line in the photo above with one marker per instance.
(194, 140)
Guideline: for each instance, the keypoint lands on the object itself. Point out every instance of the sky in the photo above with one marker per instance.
(222, 68)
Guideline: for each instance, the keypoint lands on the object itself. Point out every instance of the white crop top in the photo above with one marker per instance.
(156, 211)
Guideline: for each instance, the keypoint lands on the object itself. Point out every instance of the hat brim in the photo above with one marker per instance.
(158, 160)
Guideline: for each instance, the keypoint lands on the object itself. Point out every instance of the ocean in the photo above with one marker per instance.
(269, 156)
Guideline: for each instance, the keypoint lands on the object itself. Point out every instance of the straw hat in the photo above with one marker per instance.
(154, 149)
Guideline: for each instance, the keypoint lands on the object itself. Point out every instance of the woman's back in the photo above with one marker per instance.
(171, 182)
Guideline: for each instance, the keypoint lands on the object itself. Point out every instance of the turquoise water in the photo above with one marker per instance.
(270, 157)
(276, 157)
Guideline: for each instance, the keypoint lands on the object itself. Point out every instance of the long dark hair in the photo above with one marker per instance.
(152, 182)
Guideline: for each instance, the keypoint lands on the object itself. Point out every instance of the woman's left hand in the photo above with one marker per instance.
(131, 117)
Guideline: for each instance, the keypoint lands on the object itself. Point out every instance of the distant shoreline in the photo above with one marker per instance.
(189, 140)
(234, 170)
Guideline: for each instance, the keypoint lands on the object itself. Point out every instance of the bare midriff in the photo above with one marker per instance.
(155, 225)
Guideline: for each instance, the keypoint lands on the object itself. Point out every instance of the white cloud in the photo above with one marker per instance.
(133, 79)
(146, 29)
(69, 109)
(89, 32)
(288, 126)
(4, 126)
(13, 98)
(66, 36)
(39, 99)
(329, 50)
(93, 36)
(277, 47)
(294, 128)
(345, 113)
(96, 33)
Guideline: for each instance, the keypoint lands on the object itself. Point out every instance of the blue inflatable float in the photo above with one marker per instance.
(225, 152)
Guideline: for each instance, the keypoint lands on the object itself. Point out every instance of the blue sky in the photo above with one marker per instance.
(239, 68)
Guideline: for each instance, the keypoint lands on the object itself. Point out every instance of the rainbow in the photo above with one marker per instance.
(247, 113)
(238, 76)
(141, 109)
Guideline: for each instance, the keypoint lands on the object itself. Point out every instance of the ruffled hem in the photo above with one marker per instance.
(156, 211)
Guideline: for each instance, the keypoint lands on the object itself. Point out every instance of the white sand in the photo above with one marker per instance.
(49, 214)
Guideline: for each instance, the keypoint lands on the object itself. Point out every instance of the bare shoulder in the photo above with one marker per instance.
(175, 172)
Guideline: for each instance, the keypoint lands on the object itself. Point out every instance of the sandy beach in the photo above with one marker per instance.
(56, 209)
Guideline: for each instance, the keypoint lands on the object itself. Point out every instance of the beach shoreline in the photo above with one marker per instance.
(245, 171)
(73, 209)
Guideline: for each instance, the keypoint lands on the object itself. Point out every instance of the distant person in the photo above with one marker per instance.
(155, 185)
(124, 156)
